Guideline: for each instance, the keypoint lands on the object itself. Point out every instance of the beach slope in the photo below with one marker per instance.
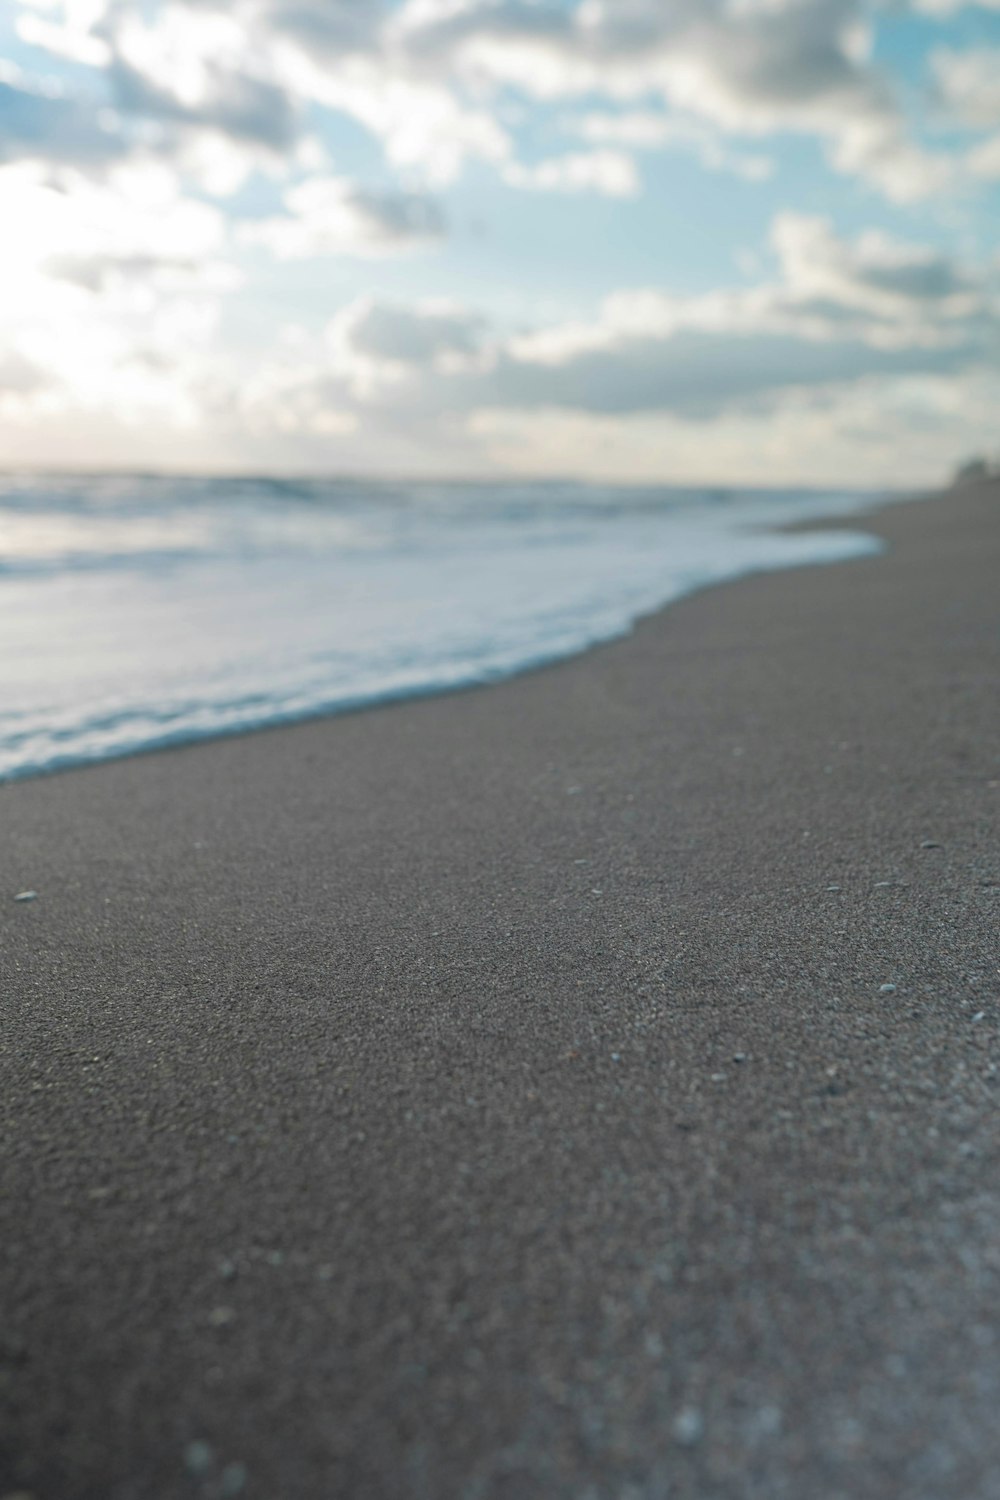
(580, 1087)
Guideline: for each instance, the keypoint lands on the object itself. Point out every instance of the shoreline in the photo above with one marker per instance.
(851, 525)
(583, 1086)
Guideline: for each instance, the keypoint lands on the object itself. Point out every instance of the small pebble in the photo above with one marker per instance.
(718, 1077)
(198, 1457)
(887, 989)
(833, 887)
(233, 1480)
(688, 1427)
(768, 1421)
(980, 1015)
(739, 1057)
(930, 844)
(227, 1270)
(26, 896)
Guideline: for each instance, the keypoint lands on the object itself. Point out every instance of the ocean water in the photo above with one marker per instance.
(141, 611)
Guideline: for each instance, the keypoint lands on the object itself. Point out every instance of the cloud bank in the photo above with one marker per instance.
(172, 173)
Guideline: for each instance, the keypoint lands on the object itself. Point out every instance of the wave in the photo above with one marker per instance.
(156, 612)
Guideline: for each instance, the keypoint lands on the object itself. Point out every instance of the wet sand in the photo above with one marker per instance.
(583, 1088)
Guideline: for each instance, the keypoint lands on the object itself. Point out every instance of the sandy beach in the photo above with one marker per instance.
(582, 1088)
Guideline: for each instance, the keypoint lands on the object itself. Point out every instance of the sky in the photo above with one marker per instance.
(688, 241)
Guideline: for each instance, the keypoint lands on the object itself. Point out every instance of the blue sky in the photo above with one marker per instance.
(735, 240)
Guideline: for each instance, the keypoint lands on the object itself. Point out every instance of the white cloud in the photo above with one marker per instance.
(427, 334)
(136, 213)
(967, 89)
(425, 78)
(611, 173)
(376, 346)
(275, 399)
(753, 69)
(640, 130)
(838, 310)
(333, 216)
(217, 143)
(941, 10)
(114, 271)
(984, 160)
(915, 289)
(46, 124)
(423, 125)
(199, 71)
(968, 85)
(772, 380)
(333, 28)
(110, 290)
(74, 35)
(901, 431)
(840, 314)
(247, 70)
(646, 130)
(19, 376)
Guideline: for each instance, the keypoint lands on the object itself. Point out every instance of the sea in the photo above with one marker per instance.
(141, 611)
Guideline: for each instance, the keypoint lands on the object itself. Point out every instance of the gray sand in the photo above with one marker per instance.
(500, 1095)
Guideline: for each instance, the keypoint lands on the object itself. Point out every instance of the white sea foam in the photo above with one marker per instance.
(137, 612)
